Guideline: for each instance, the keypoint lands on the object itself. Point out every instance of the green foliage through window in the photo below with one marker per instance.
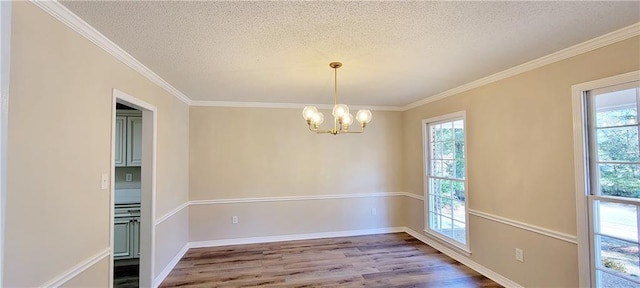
(618, 150)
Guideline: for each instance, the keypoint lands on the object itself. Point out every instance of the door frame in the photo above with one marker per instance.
(148, 185)
(581, 161)
(5, 56)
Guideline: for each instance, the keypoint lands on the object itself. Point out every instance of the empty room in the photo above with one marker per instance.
(319, 144)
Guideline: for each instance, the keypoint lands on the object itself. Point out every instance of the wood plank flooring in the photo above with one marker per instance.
(384, 260)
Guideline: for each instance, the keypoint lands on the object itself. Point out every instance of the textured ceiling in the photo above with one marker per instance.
(394, 53)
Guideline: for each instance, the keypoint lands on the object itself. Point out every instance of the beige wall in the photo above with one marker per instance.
(59, 145)
(520, 161)
(257, 152)
(261, 219)
(94, 276)
(252, 152)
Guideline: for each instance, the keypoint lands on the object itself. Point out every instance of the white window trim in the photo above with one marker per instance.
(465, 249)
(580, 149)
(5, 53)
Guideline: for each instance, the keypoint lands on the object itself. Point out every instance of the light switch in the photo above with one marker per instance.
(129, 177)
(104, 181)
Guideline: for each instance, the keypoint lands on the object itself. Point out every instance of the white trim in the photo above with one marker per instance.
(64, 277)
(518, 224)
(286, 105)
(296, 198)
(590, 45)
(112, 185)
(292, 237)
(580, 162)
(525, 226)
(76, 270)
(149, 116)
(414, 196)
(74, 22)
(171, 213)
(504, 281)
(5, 59)
(64, 15)
(172, 264)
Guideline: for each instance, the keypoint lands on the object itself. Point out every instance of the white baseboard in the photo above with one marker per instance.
(172, 264)
(504, 281)
(254, 240)
(292, 237)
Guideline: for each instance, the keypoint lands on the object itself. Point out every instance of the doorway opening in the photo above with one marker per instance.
(133, 189)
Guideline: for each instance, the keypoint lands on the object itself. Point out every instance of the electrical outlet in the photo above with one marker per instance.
(519, 255)
(374, 211)
(128, 177)
(104, 181)
(234, 220)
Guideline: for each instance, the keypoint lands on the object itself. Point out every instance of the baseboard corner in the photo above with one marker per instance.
(172, 264)
(498, 278)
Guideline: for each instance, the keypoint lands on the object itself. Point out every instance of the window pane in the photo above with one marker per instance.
(458, 211)
(440, 188)
(445, 188)
(442, 206)
(459, 169)
(437, 133)
(436, 150)
(447, 150)
(619, 220)
(442, 224)
(459, 231)
(616, 108)
(610, 281)
(447, 167)
(622, 180)
(434, 186)
(436, 168)
(618, 256)
(458, 190)
(618, 144)
(447, 131)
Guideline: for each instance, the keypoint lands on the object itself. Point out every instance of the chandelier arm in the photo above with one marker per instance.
(317, 131)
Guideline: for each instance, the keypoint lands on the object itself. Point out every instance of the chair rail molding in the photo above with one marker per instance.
(74, 271)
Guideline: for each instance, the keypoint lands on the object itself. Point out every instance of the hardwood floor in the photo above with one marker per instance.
(385, 260)
(126, 276)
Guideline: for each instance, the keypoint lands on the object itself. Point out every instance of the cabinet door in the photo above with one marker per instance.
(134, 141)
(122, 238)
(121, 136)
(135, 238)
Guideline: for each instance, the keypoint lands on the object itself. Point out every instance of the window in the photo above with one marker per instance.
(445, 179)
(614, 184)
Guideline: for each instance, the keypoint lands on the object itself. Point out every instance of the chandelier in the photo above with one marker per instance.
(342, 119)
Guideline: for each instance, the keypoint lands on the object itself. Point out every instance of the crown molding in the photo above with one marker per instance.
(64, 15)
(584, 47)
(286, 105)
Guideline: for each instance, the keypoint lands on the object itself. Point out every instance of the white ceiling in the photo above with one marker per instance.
(394, 53)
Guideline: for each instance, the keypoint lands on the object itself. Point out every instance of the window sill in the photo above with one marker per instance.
(464, 250)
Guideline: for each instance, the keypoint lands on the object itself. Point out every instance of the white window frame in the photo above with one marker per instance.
(461, 115)
(580, 148)
(5, 53)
